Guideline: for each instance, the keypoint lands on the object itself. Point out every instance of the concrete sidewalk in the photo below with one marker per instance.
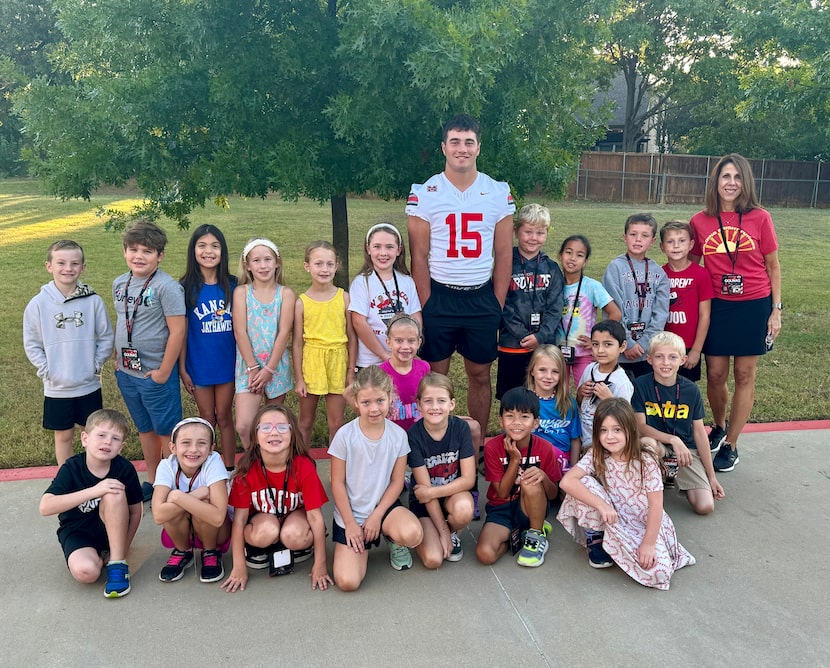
(756, 597)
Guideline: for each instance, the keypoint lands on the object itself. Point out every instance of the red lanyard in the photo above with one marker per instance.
(192, 480)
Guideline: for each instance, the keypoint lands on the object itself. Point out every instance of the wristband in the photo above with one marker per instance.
(269, 369)
(256, 367)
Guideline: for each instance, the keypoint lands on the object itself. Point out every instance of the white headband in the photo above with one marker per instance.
(253, 243)
(193, 420)
(385, 227)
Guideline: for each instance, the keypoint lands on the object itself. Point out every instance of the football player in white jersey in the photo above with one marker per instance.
(460, 225)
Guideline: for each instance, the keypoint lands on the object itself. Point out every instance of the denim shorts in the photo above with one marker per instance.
(152, 407)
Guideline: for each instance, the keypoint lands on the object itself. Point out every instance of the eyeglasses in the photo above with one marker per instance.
(268, 427)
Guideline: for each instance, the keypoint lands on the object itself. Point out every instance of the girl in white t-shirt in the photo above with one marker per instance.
(190, 500)
(381, 290)
(368, 460)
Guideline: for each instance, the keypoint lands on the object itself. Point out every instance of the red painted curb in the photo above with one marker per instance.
(48, 472)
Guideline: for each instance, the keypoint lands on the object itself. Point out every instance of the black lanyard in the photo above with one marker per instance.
(574, 307)
(130, 319)
(663, 412)
(737, 241)
(640, 288)
(270, 494)
(397, 303)
(515, 487)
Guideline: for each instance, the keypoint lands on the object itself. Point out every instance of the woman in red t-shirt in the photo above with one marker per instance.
(737, 241)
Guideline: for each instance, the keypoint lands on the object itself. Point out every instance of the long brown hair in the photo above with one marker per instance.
(620, 410)
(400, 261)
(747, 200)
(253, 455)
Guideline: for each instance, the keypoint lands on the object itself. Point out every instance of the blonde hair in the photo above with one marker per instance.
(667, 339)
(370, 376)
(563, 400)
(314, 245)
(107, 416)
(243, 275)
(534, 215)
(435, 379)
(403, 319)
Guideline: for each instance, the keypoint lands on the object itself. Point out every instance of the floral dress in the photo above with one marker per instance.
(629, 497)
(263, 326)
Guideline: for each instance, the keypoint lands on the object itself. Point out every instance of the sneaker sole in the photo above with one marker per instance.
(180, 575)
(456, 556)
(602, 565)
(213, 579)
(534, 564)
(257, 565)
(728, 468)
(116, 594)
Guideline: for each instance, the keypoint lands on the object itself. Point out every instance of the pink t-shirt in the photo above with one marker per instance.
(687, 289)
(405, 411)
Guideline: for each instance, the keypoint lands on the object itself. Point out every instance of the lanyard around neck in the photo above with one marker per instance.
(130, 319)
(640, 288)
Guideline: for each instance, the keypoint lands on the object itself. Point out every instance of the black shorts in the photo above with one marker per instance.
(738, 329)
(420, 510)
(692, 374)
(636, 369)
(60, 414)
(512, 371)
(93, 534)
(509, 515)
(338, 533)
(463, 320)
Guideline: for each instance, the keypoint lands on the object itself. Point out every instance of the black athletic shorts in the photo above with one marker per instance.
(463, 320)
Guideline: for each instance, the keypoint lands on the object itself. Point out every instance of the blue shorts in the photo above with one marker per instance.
(509, 515)
(463, 320)
(152, 407)
(61, 413)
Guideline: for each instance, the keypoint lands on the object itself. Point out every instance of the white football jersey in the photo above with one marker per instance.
(462, 226)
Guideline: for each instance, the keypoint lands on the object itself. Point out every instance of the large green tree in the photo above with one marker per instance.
(28, 33)
(657, 45)
(199, 99)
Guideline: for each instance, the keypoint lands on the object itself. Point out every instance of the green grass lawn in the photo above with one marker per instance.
(792, 381)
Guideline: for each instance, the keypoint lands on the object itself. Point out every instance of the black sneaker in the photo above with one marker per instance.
(256, 557)
(598, 557)
(717, 436)
(302, 555)
(212, 568)
(177, 564)
(726, 458)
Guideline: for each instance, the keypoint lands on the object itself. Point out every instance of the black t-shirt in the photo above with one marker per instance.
(75, 476)
(669, 408)
(441, 458)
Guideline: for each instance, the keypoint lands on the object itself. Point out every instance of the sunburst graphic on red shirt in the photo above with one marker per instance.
(714, 242)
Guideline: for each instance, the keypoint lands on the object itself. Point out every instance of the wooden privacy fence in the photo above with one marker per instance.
(681, 179)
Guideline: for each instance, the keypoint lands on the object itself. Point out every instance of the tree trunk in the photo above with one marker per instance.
(340, 239)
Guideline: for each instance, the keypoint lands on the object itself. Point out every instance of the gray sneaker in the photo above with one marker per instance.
(399, 556)
(533, 551)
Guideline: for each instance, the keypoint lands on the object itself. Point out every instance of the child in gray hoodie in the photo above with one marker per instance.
(67, 335)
